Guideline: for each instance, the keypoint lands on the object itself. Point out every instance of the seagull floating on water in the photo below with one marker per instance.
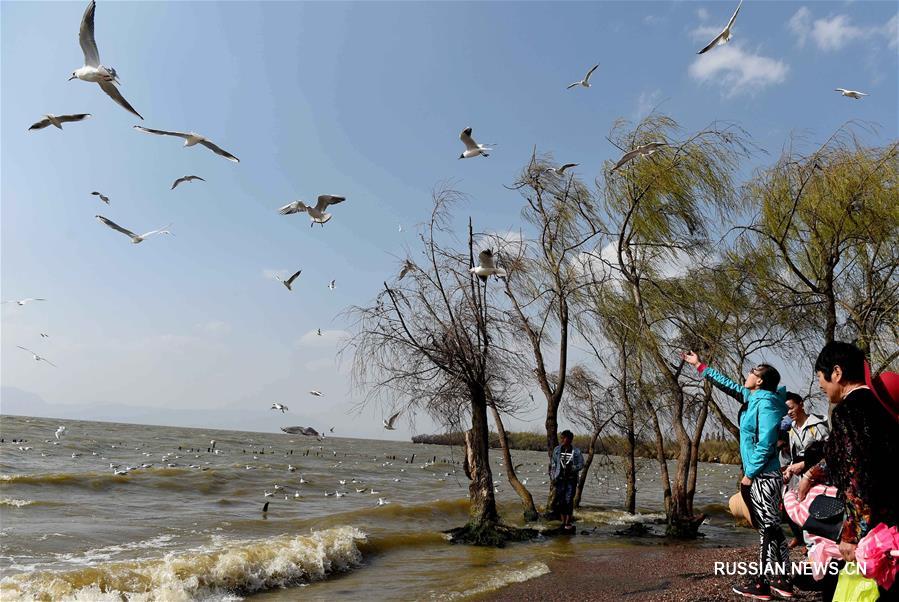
(472, 148)
(643, 150)
(183, 179)
(724, 36)
(22, 302)
(388, 424)
(191, 139)
(103, 197)
(279, 406)
(57, 120)
(93, 71)
(135, 238)
(317, 214)
(850, 93)
(584, 83)
(289, 282)
(37, 358)
(487, 266)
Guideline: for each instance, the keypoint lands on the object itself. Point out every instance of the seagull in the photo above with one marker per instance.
(850, 93)
(316, 393)
(360, 490)
(290, 280)
(103, 197)
(332, 430)
(382, 502)
(332, 285)
(487, 267)
(373, 492)
(472, 148)
(339, 494)
(724, 36)
(291, 468)
(22, 302)
(278, 406)
(408, 266)
(342, 481)
(268, 493)
(319, 333)
(185, 179)
(44, 335)
(388, 424)
(643, 150)
(93, 71)
(399, 228)
(60, 431)
(308, 431)
(57, 120)
(191, 139)
(585, 83)
(317, 214)
(37, 358)
(561, 170)
(135, 238)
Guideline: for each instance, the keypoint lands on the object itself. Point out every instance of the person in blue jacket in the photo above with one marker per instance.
(763, 407)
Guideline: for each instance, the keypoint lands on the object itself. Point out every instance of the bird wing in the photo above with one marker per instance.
(86, 37)
(114, 94)
(162, 230)
(26, 349)
(328, 199)
(219, 151)
(570, 86)
(467, 140)
(115, 226)
(43, 359)
(39, 125)
(567, 166)
(711, 44)
(294, 207)
(589, 73)
(734, 17)
(485, 258)
(73, 117)
(161, 132)
(178, 181)
(393, 418)
(625, 158)
(195, 178)
(292, 430)
(294, 277)
(840, 90)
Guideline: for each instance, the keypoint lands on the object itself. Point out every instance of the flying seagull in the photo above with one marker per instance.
(290, 280)
(472, 148)
(308, 431)
(319, 332)
(185, 179)
(850, 93)
(388, 424)
(559, 171)
(408, 266)
(317, 214)
(60, 431)
(279, 406)
(332, 285)
(644, 150)
(44, 335)
(724, 36)
(37, 358)
(22, 302)
(316, 393)
(57, 120)
(93, 71)
(103, 197)
(135, 238)
(487, 266)
(191, 139)
(585, 83)
(331, 429)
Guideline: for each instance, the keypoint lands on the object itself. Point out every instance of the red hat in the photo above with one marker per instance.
(885, 387)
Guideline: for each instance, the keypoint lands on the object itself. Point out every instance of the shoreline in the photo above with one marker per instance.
(642, 573)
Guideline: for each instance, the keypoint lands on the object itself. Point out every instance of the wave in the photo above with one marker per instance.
(8, 501)
(205, 481)
(498, 580)
(230, 570)
(616, 517)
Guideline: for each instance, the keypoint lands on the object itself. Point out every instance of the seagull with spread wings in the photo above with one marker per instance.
(316, 393)
(183, 179)
(560, 171)
(851, 93)
(584, 83)
(389, 423)
(191, 139)
(317, 214)
(472, 148)
(102, 196)
(487, 266)
(135, 238)
(644, 150)
(57, 120)
(724, 36)
(289, 282)
(279, 406)
(93, 71)
(22, 302)
(36, 357)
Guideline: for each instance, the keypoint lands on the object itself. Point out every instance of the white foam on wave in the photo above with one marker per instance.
(616, 517)
(7, 501)
(221, 573)
(498, 580)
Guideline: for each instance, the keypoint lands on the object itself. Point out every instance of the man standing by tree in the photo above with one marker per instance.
(567, 462)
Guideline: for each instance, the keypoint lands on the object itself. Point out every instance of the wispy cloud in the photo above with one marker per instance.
(800, 24)
(737, 71)
(702, 13)
(646, 102)
(835, 32)
(215, 327)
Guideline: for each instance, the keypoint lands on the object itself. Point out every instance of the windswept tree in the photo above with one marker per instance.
(429, 339)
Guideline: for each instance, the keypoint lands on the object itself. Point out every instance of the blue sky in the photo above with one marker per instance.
(364, 100)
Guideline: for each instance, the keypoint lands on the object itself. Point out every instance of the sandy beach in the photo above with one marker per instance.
(655, 572)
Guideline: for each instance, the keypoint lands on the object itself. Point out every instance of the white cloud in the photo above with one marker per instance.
(834, 33)
(737, 71)
(891, 31)
(703, 14)
(215, 327)
(800, 24)
(646, 102)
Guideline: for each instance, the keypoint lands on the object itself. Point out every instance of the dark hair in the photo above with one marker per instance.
(566, 433)
(769, 375)
(795, 397)
(847, 356)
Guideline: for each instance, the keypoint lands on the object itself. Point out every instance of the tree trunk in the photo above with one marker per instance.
(482, 504)
(663, 463)
(582, 479)
(630, 502)
(530, 512)
(694, 448)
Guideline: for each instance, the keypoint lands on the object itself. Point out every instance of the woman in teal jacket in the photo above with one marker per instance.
(764, 405)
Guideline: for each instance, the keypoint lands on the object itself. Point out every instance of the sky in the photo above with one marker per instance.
(364, 100)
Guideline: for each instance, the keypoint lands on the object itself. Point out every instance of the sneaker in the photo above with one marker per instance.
(756, 590)
(782, 587)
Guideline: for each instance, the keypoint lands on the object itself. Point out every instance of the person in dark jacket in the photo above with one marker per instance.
(567, 462)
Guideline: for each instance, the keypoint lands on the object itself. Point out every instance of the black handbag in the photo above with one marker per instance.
(825, 517)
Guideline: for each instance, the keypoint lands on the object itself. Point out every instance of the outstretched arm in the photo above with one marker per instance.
(720, 381)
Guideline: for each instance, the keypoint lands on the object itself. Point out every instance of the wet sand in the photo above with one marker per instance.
(655, 572)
